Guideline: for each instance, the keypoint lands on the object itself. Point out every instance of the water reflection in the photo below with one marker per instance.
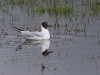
(44, 44)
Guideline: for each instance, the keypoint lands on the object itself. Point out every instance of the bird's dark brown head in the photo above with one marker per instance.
(45, 25)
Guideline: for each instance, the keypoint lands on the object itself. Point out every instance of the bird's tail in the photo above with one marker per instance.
(18, 29)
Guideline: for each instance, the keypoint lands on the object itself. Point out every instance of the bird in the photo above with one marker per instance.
(36, 35)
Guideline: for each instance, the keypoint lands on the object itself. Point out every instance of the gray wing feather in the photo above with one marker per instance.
(38, 34)
(32, 34)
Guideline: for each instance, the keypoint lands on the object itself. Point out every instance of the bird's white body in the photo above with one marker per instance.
(44, 34)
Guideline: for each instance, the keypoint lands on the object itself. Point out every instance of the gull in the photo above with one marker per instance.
(36, 35)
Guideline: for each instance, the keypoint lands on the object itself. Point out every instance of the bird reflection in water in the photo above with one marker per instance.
(39, 43)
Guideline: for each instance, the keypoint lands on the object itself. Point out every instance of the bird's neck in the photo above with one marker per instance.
(43, 29)
(45, 32)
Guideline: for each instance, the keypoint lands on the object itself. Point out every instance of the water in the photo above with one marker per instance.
(72, 50)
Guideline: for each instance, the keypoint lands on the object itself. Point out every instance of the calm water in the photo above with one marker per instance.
(74, 47)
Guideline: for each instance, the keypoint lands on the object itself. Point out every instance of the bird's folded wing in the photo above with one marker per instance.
(32, 34)
(38, 34)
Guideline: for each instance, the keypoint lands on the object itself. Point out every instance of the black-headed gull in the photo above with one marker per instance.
(36, 35)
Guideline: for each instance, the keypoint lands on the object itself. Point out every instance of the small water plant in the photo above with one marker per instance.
(40, 9)
(51, 7)
(96, 7)
(59, 10)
